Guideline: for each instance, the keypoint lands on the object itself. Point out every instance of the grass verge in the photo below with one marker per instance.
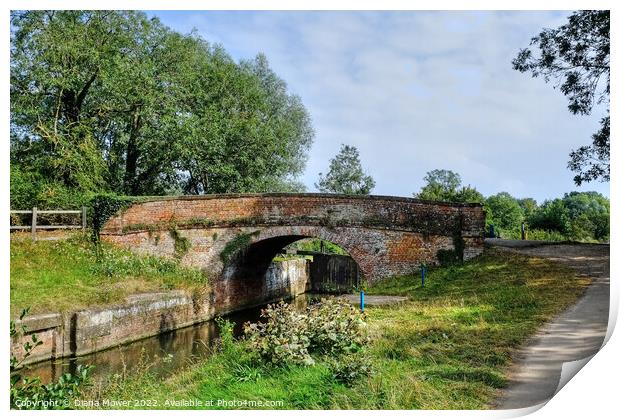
(449, 347)
(71, 274)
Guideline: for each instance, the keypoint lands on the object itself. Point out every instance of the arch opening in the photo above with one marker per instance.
(283, 267)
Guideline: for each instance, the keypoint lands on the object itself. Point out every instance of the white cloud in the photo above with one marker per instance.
(415, 91)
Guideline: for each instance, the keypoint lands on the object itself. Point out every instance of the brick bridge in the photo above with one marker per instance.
(233, 238)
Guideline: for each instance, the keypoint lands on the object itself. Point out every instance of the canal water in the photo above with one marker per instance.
(160, 355)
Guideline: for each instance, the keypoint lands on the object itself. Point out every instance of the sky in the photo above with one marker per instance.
(416, 91)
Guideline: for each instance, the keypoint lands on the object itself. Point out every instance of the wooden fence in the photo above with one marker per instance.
(33, 225)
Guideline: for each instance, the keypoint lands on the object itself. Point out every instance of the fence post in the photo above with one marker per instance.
(34, 224)
(83, 218)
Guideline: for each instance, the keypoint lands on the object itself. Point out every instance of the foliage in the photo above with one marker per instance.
(441, 185)
(30, 189)
(576, 55)
(105, 206)
(28, 392)
(115, 101)
(181, 243)
(539, 235)
(336, 327)
(238, 243)
(505, 211)
(580, 216)
(284, 336)
(445, 185)
(330, 327)
(68, 275)
(318, 245)
(528, 206)
(577, 216)
(346, 175)
(226, 339)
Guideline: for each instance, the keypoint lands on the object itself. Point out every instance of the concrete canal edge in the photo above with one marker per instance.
(142, 315)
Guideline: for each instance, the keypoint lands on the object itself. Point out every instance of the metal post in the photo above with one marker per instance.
(423, 275)
(34, 224)
(362, 300)
(83, 218)
(523, 232)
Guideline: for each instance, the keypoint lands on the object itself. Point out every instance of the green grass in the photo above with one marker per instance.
(449, 347)
(72, 274)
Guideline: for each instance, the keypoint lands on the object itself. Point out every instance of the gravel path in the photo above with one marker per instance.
(575, 334)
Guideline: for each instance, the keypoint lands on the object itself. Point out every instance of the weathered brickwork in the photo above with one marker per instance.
(234, 237)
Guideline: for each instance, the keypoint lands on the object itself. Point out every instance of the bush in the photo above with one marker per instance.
(30, 189)
(283, 338)
(336, 327)
(331, 327)
(545, 235)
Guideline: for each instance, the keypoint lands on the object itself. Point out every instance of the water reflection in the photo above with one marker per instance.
(163, 354)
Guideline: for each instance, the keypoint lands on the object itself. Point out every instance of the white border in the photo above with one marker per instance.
(592, 393)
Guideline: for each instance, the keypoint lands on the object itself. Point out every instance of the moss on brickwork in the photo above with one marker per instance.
(236, 244)
(447, 257)
(194, 222)
(181, 244)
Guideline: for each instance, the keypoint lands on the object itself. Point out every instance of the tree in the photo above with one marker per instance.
(115, 101)
(445, 185)
(589, 215)
(441, 185)
(576, 55)
(577, 216)
(528, 205)
(346, 175)
(505, 210)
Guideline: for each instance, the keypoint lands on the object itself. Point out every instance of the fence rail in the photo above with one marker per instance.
(33, 226)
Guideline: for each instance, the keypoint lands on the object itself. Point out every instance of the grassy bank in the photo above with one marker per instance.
(448, 348)
(71, 274)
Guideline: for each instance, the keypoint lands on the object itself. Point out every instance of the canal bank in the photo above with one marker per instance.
(143, 315)
(160, 354)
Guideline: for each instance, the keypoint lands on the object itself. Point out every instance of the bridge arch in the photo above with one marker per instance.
(386, 236)
(253, 258)
(242, 282)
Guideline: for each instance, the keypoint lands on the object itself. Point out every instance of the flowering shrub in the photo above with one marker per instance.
(336, 327)
(283, 337)
(330, 327)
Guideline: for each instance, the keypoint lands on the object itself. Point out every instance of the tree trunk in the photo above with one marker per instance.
(133, 153)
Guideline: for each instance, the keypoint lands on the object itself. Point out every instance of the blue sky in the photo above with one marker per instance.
(416, 91)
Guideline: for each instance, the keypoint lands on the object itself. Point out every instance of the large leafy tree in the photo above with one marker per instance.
(112, 100)
(346, 175)
(506, 213)
(445, 185)
(243, 131)
(576, 57)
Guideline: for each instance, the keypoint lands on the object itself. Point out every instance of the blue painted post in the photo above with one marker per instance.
(362, 300)
(423, 274)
